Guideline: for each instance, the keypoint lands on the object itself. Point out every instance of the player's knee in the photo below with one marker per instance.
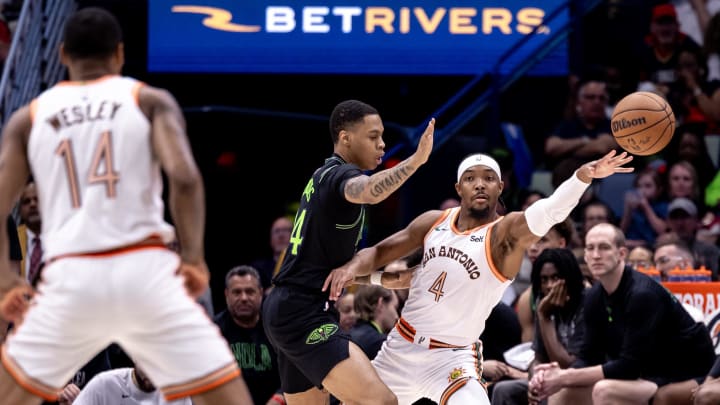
(602, 392)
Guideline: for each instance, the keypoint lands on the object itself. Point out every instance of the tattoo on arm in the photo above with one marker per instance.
(391, 179)
(354, 188)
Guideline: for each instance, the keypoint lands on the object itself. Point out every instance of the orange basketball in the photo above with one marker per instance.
(643, 123)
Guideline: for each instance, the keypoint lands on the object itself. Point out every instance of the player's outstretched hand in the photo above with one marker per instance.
(425, 145)
(337, 280)
(607, 165)
(197, 278)
(15, 302)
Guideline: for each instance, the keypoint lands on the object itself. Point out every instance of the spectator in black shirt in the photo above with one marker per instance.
(640, 343)
(241, 325)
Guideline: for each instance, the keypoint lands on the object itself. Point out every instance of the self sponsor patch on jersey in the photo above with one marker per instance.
(321, 334)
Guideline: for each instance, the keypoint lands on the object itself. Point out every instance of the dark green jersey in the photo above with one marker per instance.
(327, 228)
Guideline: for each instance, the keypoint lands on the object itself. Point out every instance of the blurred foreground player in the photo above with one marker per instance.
(95, 146)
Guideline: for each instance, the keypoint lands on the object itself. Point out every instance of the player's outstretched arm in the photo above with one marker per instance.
(544, 213)
(374, 189)
(367, 260)
(529, 226)
(186, 191)
(392, 280)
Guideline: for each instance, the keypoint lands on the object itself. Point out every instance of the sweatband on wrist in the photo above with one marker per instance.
(544, 213)
(376, 278)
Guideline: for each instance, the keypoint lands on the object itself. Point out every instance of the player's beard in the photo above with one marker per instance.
(480, 213)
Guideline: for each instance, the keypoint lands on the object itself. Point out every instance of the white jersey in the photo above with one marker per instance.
(457, 287)
(99, 184)
(116, 386)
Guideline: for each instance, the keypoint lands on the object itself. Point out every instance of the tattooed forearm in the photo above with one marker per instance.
(389, 180)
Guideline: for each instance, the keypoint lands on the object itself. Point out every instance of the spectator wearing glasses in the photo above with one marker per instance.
(670, 255)
(640, 256)
(683, 220)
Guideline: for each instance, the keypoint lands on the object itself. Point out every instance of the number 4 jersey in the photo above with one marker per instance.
(457, 287)
(90, 152)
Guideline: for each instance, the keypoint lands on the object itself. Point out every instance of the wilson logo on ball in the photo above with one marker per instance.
(625, 124)
(642, 123)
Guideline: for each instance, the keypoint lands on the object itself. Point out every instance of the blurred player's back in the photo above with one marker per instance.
(96, 146)
(99, 184)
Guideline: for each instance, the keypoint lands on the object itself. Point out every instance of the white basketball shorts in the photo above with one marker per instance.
(412, 371)
(130, 296)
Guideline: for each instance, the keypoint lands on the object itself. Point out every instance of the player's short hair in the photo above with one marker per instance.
(242, 271)
(346, 114)
(91, 32)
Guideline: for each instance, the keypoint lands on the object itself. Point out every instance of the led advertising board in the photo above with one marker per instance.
(457, 37)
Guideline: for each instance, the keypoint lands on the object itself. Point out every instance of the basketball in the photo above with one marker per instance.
(642, 123)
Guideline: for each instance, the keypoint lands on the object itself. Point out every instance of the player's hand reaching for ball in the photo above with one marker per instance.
(197, 278)
(606, 166)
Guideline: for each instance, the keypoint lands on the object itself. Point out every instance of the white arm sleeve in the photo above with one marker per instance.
(545, 213)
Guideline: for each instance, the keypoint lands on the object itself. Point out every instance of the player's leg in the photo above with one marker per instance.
(312, 396)
(679, 393)
(63, 329)
(285, 316)
(234, 391)
(297, 389)
(13, 393)
(404, 368)
(170, 336)
(708, 393)
(623, 392)
(468, 391)
(310, 340)
(454, 375)
(355, 381)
